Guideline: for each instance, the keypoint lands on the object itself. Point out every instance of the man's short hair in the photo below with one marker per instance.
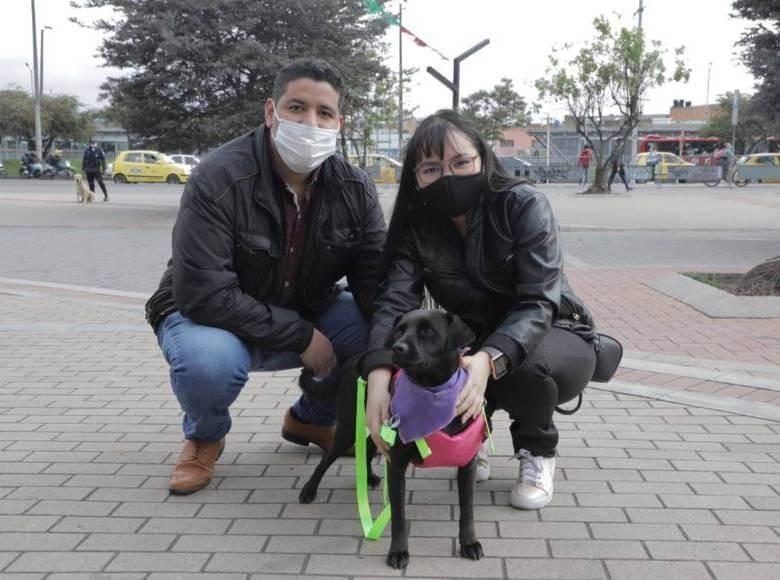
(309, 68)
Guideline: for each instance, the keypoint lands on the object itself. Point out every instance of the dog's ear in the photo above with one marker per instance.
(390, 340)
(459, 335)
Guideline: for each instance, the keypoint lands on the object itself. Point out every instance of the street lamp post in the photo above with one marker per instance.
(32, 82)
(454, 85)
(38, 146)
(44, 29)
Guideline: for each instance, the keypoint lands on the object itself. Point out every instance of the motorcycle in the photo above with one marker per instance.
(62, 171)
(30, 170)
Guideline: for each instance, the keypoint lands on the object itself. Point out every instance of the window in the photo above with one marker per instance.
(133, 158)
(507, 143)
(148, 158)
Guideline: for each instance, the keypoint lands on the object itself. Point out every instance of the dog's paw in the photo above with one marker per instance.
(308, 493)
(471, 551)
(373, 479)
(398, 560)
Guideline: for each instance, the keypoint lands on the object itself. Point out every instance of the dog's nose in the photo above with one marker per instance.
(400, 348)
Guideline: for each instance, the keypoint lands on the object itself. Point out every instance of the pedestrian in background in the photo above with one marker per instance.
(584, 162)
(652, 160)
(94, 164)
(618, 168)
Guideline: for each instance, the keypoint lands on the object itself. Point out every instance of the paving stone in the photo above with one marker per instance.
(127, 561)
(645, 570)
(60, 562)
(558, 568)
(740, 571)
(279, 563)
(598, 549)
(37, 542)
(127, 542)
(704, 551)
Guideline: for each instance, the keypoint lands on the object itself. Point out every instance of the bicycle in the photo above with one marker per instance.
(732, 177)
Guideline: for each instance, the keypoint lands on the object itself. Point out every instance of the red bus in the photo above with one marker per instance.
(698, 150)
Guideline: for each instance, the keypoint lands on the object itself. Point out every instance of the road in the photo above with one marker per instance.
(123, 244)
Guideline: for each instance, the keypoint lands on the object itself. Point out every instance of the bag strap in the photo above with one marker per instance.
(571, 411)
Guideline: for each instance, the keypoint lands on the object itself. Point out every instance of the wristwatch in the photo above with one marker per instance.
(499, 362)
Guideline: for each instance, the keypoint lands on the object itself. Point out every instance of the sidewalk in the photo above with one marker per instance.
(645, 488)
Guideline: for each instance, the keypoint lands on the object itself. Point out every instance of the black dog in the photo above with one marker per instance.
(427, 345)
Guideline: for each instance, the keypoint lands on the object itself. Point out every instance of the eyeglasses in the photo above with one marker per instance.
(429, 171)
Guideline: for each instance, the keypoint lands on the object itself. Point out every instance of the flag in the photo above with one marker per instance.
(374, 8)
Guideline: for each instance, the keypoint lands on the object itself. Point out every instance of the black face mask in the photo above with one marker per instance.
(452, 195)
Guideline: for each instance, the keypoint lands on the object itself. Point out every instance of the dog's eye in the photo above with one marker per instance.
(426, 331)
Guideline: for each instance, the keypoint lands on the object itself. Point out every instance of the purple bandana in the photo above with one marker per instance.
(421, 411)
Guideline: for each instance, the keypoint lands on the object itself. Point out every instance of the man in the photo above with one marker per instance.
(725, 158)
(584, 162)
(55, 160)
(652, 160)
(268, 224)
(94, 164)
(618, 168)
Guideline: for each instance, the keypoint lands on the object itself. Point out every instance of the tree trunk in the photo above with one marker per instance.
(762, 280)
(599, 184)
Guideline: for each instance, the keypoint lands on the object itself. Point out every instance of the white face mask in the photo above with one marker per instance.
(303, 148)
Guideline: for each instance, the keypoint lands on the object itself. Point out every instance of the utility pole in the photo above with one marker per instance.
(38, 146)
(635, 132)
(454, 85)
(707, 97)
(400, 78)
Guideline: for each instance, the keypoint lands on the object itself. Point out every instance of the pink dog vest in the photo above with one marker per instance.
(444, 450)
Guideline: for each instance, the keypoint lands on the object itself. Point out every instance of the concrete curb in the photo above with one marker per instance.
(716, 303)
(726, 404)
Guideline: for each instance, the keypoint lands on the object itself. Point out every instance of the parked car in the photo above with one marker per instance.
(148, 166)
(665, 161)
(764, 163)
(189, 160)
(2, 169)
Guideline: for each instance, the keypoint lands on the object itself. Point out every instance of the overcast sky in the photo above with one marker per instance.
(521, 34)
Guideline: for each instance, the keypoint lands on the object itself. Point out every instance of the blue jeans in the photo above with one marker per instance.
(210, 366)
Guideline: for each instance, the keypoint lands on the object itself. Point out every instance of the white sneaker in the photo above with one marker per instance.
(534, 487)
(483, 463)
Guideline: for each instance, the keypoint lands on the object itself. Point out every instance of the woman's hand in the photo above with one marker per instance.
(378, 405)
(472, 395)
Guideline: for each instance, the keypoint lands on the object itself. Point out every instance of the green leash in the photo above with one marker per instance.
(372, 529)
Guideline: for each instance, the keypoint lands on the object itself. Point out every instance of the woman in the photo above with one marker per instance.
(485, 245)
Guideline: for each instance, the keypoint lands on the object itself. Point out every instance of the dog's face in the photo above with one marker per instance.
(77, 178)
(427, 344)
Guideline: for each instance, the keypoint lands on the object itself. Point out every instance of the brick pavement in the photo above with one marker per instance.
(89, 431)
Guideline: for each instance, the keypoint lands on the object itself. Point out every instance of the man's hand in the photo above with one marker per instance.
(472, 395)
(319, 357)
(378, 405)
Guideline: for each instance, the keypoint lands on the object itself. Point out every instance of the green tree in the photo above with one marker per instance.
(198, 71)
(761, 54)
(753, 125)
(497, 109)
(611, 73)
(62, 117)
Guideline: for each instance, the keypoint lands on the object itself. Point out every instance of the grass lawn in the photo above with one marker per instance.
(725, 282)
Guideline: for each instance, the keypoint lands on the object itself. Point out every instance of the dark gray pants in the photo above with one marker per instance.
(555, 372)
(96, 175)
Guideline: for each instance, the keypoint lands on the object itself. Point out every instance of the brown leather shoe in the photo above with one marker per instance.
(195, 467)
(300, 433)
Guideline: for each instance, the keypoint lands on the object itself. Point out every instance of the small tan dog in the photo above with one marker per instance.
(83, 194)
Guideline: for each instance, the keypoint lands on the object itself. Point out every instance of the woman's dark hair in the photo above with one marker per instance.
(429, 140)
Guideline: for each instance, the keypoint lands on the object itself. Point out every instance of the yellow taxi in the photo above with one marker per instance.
(665, 161)
(148, 167)
(758, 168)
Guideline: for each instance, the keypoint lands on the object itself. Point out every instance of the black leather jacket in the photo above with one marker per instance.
(229, 235)
(505, 279)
